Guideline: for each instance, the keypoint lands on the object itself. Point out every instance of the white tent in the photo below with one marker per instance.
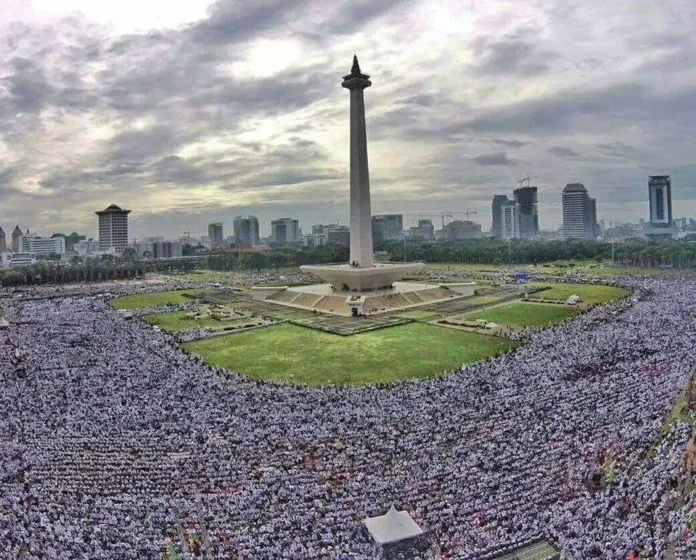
(392, 527)
(4, 323)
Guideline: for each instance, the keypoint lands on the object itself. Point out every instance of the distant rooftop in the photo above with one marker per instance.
(575, 187)
(112, 208)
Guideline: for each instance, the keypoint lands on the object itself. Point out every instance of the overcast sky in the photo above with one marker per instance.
(198, 111)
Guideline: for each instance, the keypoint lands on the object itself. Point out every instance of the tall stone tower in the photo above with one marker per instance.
(361, 250)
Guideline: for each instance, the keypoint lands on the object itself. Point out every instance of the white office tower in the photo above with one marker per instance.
(578, 222)
(510, 220)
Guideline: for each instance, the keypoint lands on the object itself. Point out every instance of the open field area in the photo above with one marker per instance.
(521, 314)
(591, 294)
(181, 321)
(295, 354)
(142, 301)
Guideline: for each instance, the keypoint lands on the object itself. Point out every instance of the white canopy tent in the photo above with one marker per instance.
(392, 527)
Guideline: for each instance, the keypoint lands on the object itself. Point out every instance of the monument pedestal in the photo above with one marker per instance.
(344, 277)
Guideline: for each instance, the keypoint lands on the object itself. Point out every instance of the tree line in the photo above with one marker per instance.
(636, 253)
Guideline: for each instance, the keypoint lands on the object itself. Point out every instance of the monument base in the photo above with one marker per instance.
(344, 277)
(324, 298)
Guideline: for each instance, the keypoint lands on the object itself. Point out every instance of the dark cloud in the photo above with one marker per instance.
(135, 146)
(232, 21)
(177, 170)
(563, 152)
(27, 85)
(516, 53)
(562, 111)
(498, 158)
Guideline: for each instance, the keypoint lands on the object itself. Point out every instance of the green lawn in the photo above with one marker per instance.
(175, 322)
(590, 294)
(141, 301)
(300, 355)
(521, 314)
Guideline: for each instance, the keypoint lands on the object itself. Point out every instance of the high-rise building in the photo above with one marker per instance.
(285, 231)
(158, 249)
(42, 246)
(660, 196)
(425, 230)
(3, 241)
(526, 198)
(331, 234)
(113, 228)
(496, 227)
(387, 227)
(71, 240)
(579, 218)
(246, 231)
(215, 235)
(458, 230)
(594, 225)
(16, 234)
(510, 220)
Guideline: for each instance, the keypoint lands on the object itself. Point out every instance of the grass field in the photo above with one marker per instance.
(176, 322)
(299, 355)
(142, 301)
(521, 314)
(590, 294)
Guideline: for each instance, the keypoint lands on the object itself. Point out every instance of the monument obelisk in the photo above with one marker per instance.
(361, 274)
(361, 251)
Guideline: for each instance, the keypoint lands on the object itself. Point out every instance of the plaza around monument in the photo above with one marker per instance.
(361, 286)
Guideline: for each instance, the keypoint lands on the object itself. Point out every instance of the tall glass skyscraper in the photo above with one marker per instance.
(496, 217)
(526, 197)
(660, 196)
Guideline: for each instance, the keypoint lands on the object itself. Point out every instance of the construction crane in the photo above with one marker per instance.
(444, 215)
(528, 179)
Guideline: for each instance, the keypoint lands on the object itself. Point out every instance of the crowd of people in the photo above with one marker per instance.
(116, 444)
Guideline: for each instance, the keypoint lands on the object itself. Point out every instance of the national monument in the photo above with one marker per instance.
(351, 286)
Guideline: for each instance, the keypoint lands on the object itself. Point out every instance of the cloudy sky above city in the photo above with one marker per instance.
(190, 112)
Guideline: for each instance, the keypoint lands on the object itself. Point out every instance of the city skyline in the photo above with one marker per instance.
(170, 123)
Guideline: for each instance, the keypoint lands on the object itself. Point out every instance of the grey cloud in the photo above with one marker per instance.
(27, 85)
(354, 14)
(509, 143)
(292, 177)
(423, 100)
(498, 158)
(516, 53)
(7, 175)
(177, 170)
(557, 112)
(563, 152)
(232, 21)
(134, 146)
(617, 149)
